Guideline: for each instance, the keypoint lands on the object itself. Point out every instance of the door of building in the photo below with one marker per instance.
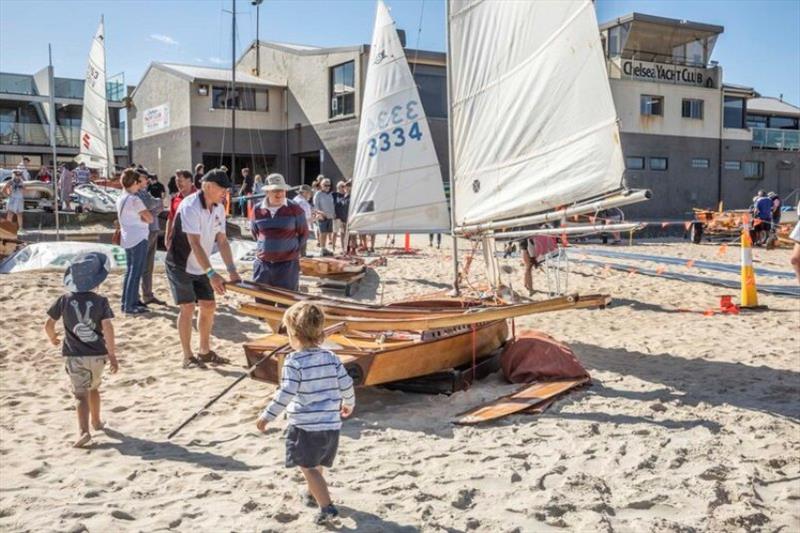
(258, 164)
(308, 167)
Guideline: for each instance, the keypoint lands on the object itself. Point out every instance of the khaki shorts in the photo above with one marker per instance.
(338, 226)
(85, 372)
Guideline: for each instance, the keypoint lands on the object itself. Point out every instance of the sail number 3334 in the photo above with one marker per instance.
(397, 136)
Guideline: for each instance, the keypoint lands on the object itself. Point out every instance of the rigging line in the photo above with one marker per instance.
(416, 87)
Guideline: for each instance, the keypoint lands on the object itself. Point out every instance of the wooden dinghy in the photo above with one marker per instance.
(524, 399)
(9, 243)
(377, 359)
(435, 319)
(330, 266)
(339, 307)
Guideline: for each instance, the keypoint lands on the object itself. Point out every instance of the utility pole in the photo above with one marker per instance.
(257, 3)
(234, 96)
(51, 89)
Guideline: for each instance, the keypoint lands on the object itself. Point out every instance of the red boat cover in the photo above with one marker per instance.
(536, 356)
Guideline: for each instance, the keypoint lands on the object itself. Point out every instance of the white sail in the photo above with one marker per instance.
(397, 182)
(533, 122)
(95, 141)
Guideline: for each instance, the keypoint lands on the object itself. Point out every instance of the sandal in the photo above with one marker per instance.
(193, 361)
(213, 358)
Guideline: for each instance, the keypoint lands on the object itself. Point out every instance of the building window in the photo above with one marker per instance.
(700, 163)
(734, 112)
(634, 163)
(652, 105)
(756, 121)
(753, 169)
(692, 108)
(733, 165)
(784, 123)
(658, 163)
(432, 85)
(343, 89)
(244, 99)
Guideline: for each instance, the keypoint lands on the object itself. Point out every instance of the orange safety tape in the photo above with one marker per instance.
(690, 263)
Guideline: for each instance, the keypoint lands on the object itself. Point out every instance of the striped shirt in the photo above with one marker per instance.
(280, 235)
(314, 386)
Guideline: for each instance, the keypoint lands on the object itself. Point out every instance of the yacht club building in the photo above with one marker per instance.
(686, 133)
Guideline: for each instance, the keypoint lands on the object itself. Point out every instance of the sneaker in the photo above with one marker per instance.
(137, 311)
(307, 498)
(155, 301)
(327, 515)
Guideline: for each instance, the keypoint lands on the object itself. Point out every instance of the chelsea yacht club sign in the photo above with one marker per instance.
(665, 73)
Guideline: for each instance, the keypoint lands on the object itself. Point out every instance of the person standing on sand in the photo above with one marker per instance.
(88, 337)
(303, 199)
(281, 231)
(16, 198)
(65, 186)
(198, 225)
(155, 206)
(326, 212)
(199, 170)
(316, 392)
(134, 219)
(82, 174)
(184, 186)
(795, 236)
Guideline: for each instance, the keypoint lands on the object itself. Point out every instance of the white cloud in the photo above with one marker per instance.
(216, 60)
(166, 39)
(199, 60)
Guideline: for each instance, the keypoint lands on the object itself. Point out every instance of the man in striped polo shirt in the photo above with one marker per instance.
(280, 228)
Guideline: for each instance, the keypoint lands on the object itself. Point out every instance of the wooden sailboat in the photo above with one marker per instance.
(381, 344)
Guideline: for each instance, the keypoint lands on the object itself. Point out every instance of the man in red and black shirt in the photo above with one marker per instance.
(185, 183)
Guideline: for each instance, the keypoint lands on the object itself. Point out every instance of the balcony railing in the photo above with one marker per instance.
(19, 133)
(776, 139)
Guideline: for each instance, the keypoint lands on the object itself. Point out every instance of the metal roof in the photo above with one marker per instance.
(195, 73)
(772, 106)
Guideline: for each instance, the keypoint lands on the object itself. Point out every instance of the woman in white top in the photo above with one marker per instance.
(16, 199)
(134, 219)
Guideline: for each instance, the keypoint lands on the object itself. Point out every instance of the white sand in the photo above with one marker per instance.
(691, 423)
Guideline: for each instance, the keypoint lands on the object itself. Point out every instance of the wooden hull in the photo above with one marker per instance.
(371, 360)
(435, 320)
(329, 266)
(339, 307)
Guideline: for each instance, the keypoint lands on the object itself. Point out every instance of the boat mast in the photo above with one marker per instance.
(448, 65)
(51, 83)
(109, 137)
(233, 94)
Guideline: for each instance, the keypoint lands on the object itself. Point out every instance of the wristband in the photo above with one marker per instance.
(211, 273)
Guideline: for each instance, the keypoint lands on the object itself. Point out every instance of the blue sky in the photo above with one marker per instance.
(760, 46)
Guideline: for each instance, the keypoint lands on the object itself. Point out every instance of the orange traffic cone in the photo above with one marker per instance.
(749, 295)
(408, 243)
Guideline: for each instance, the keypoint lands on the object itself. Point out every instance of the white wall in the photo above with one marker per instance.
(627, 95)
(157, 88)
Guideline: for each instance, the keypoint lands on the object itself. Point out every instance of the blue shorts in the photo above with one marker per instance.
(284, 274)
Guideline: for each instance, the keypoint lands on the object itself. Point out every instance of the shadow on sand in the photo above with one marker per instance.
(718, 383)
(150, 450)
(369, 522)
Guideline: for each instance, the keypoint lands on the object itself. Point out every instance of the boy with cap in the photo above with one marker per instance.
(88, 336)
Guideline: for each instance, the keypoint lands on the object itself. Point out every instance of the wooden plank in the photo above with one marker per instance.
(521, 400)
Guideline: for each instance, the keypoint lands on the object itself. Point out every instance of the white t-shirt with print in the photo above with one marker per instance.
(133, 229)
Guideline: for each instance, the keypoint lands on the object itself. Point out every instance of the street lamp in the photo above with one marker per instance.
(257, 3)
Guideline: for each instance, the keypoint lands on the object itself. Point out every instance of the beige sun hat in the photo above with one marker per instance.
(275, 182)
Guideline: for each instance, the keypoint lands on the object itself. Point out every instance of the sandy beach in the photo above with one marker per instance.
(691, 423)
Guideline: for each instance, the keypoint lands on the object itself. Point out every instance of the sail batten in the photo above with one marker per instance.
(397, 181)
(95, 140)
(532, 116)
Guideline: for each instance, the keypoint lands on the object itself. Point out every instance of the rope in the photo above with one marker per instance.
(474, 350)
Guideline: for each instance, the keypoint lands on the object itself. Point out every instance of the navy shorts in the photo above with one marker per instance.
(325, 226)
(310, 449)
(284, 274)
(189, 288)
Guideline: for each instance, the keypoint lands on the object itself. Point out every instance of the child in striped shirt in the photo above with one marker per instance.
(316, 393)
